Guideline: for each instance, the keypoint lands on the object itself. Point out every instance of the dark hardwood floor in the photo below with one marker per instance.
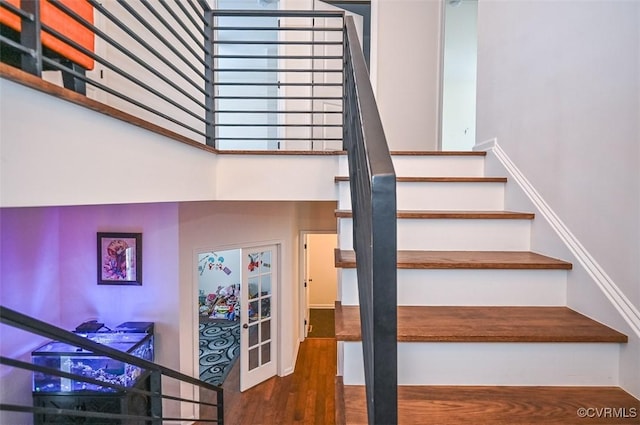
(305, 397)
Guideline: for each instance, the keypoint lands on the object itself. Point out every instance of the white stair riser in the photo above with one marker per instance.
(452, 234)
(431, 166)
(495, 364)
(469, 287)
(439, 196)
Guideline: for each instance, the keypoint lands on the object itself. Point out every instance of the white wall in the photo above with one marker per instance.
(559, 87)
(60, 266)
(102, 160)
(565, 105)
(155, 300)
(406, 70)
(29, 274)
(57, 153)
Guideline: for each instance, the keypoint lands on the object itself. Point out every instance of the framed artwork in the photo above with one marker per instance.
(119, 258)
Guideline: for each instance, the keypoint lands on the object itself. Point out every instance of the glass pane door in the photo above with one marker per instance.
(258, 338)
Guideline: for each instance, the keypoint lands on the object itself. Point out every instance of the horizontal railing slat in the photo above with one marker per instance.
(281, 43)
(336, 57)
(249, 28)
(280, 13)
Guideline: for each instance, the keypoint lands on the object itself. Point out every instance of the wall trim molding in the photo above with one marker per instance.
(289, 370)
(606, 284)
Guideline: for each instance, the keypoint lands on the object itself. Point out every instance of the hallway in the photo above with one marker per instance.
(305, 397)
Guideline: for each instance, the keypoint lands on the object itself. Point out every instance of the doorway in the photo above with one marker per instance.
(219, 278)
(320, 285)
(238, 313)
(460, 53)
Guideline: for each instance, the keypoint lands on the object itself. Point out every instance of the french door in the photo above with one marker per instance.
(258, 315)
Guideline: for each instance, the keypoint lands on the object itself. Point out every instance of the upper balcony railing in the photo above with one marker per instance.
(277, 79)
(230, 79)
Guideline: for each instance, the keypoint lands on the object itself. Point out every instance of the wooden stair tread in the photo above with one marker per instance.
(501, 405)
(438, 153)
(439, 179)
(452, 214)
(463, 260)
(483, 324)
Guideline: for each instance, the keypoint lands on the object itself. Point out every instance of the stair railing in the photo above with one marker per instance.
(373, 198)
(159, 376)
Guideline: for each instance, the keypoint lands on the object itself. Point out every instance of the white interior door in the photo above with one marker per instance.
(258, 315)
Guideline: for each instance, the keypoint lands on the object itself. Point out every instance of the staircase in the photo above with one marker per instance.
(484, 334)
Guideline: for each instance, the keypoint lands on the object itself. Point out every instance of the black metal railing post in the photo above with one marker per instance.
(210, 88)
(373, 197)
(155, 384)
(30, 37)
(220, 408)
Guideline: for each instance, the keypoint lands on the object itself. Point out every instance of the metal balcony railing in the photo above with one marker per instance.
(278, 79)
(231, 79)
(142, 404)
(146, 59)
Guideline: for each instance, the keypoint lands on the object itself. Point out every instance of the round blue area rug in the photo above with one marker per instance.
(219, 348)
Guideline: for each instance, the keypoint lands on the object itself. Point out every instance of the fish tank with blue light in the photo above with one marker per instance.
(75, 360)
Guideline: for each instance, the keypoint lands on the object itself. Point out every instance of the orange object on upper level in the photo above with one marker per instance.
(61, 22)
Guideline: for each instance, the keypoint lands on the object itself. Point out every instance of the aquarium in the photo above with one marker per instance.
(75, 360)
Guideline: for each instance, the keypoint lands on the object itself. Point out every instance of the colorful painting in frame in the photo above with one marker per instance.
(119, 258)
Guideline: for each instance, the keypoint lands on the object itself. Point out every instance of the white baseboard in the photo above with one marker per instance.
(323, 306)
(612, 292)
